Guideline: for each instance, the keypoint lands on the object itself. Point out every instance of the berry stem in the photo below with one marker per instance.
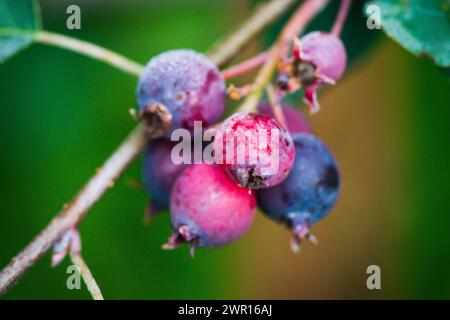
(89, 49)
(275, 104)
(341, 16)
(87, 276)
(245, 66)
(307, 10)
(72, 214)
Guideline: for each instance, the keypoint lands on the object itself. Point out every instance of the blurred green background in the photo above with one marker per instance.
(387, 122)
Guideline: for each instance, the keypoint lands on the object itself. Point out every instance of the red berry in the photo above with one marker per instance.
(255, 149)
(208, 209)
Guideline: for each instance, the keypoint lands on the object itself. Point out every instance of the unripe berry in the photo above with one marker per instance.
(177, 88)
(208, 209)
(160, 173)
(295, 120)
(308, 193)
(320, 58)
(262, 154)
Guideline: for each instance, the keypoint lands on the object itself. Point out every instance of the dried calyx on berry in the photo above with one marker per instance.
(318, 58)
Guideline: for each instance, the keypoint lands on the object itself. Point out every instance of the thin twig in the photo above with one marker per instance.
(72, 214)
(307, 10)
(275, 103)
(88, 49)
(262, 17)
(71, 242)
(261, 80)
(340, 19)
(245, 66)
(87, 276)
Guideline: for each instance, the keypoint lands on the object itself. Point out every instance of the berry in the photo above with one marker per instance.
(177, 88)
(159, 173)
(308, 193)
(268, 155)
(295, 121)
(208, 209)
(320, 58)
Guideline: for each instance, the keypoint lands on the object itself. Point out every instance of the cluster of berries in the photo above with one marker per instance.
(212, 204)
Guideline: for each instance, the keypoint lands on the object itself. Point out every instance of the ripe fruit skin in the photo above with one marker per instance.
(326, 52)
(259, 173)
(320, 58)
(308, 193)
(208, 209)
(188, 86)
(295, 121)
(160, 173)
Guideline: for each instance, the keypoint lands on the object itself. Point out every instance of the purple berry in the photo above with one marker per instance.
(177, 88)
(308, 193)
(208, 209)
(268, 155)
(320, 58)
(295, 120)
(159, 173)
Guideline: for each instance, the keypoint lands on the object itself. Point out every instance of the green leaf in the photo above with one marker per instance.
(420, 26)
(18, 21)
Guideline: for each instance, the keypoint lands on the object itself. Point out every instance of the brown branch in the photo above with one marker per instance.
(76, 210)
(71, 215)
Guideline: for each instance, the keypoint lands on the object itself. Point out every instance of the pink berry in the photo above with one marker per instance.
(320, 58)
(254, 149)
(208, 209)
(295, 120)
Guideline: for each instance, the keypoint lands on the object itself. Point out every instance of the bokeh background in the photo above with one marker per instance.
(387, 122)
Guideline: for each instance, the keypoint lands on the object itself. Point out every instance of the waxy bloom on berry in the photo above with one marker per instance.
(177, 88)
(254, 149)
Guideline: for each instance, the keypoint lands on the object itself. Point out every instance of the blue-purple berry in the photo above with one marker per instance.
(309, 192)
(177, 88)
(159, 174)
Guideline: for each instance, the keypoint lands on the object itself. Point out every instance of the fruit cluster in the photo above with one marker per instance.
(212, 204)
